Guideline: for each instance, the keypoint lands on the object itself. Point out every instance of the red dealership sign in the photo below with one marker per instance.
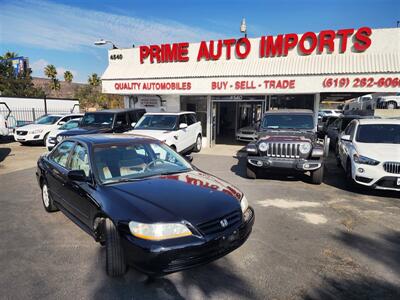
(325, 41)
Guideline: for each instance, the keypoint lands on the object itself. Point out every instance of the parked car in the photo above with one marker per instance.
(389, 102)
(39, 130)
(369, 152)
(288, 141)
(248, 133)
(181, 131)
(104, 121)
(331, 112)
(52, 137)
(3, 126)
(337, 126)
(148, 205)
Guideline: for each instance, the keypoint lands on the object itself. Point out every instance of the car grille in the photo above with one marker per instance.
(21, 132)
(288, 150)
(247, 132)
(214, 226)
(392, 167)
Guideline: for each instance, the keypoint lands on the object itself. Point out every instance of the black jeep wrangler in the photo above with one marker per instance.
(287, 140)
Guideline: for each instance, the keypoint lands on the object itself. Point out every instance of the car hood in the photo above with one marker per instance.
(157, 134)
(85, 130)
(193, 196)
(34, 126)
(286, 135)
(380, 152)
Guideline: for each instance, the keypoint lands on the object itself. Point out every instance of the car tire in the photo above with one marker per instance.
(317, 176)
(45, 138)
(198, 145)
(173, 147)
(391, 105)
(47, 200)
(349, 177)
(115, 257)
(250, 173)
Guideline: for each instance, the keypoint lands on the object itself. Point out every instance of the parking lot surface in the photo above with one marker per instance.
(308, 242)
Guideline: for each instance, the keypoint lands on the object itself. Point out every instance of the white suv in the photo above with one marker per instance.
(3, 126)
(39, 130)
(181, 131)
(369, 151)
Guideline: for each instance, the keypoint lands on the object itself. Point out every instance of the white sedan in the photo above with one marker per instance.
(51, 138)
(369, 151)
(39, 130)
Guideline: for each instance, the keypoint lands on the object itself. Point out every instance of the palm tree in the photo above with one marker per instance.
(94, 80)
(9, 55)
(68, 76)
(50, 71)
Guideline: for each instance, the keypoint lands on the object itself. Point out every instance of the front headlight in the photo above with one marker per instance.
(36, 131)
(359, 159)
(305, 148)
(244, 204)
(159, 231)
(263, 146)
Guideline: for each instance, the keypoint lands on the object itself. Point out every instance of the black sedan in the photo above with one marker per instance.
(147, 204)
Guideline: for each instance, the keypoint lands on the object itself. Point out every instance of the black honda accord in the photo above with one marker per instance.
(145, 203)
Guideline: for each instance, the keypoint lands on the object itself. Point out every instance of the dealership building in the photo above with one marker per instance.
(230, 83)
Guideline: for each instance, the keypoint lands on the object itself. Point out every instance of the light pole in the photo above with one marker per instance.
(103, 42)
(243, 27)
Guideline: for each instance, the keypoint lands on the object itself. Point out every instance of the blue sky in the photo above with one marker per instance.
(62, 32)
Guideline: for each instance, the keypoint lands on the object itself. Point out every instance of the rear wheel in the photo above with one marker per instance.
(392, 105)
(115, 257)
(47, 200)
(197, 146)
(317, 176)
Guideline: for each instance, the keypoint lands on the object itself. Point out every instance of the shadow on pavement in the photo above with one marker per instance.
(204, 281)
(362, 287)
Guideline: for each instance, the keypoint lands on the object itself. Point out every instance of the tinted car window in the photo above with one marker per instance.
(80, 159)
(61, 153)
(296, 121)
(191, 119)
(379, 133)
(47, 120)
(121, 120)
(157, 122)
(182, 119)
(97, 119)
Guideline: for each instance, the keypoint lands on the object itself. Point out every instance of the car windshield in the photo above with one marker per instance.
(157, 122)
(70, 125)
(47, 120)
(290, 121)
(136, 161)
(379, 133)
(97, 119)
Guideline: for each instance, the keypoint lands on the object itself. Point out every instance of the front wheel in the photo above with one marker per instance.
(349, 177)
(317, 176)
(115, 257)
(392, 105)
(250, 173)
(198, 145)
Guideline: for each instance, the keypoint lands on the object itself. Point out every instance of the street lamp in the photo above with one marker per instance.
(103, 42)
(243, 27)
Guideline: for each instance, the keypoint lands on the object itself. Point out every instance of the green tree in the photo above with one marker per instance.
(51, 72)
(68, 76)
(13, 84)
(94, 80)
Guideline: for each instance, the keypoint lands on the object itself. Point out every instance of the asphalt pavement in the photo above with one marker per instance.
(308, 242)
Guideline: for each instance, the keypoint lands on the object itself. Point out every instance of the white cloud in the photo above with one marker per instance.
(56, 26)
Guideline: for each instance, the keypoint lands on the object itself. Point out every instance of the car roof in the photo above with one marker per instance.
(292, 111)
(113, 139)
(378, 121)
(116, 110)
(170, 113)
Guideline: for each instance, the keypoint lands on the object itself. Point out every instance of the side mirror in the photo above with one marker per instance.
(77, 175)
(183, 126)
(133, 124)
(189, 158)
(346, 138)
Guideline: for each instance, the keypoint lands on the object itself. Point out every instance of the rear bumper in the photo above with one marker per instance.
(157, 259)
(303, 165)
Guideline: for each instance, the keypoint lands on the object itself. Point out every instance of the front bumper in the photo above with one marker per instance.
(375, 177)
(299, 164)
(160, 258)
(28, 137)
